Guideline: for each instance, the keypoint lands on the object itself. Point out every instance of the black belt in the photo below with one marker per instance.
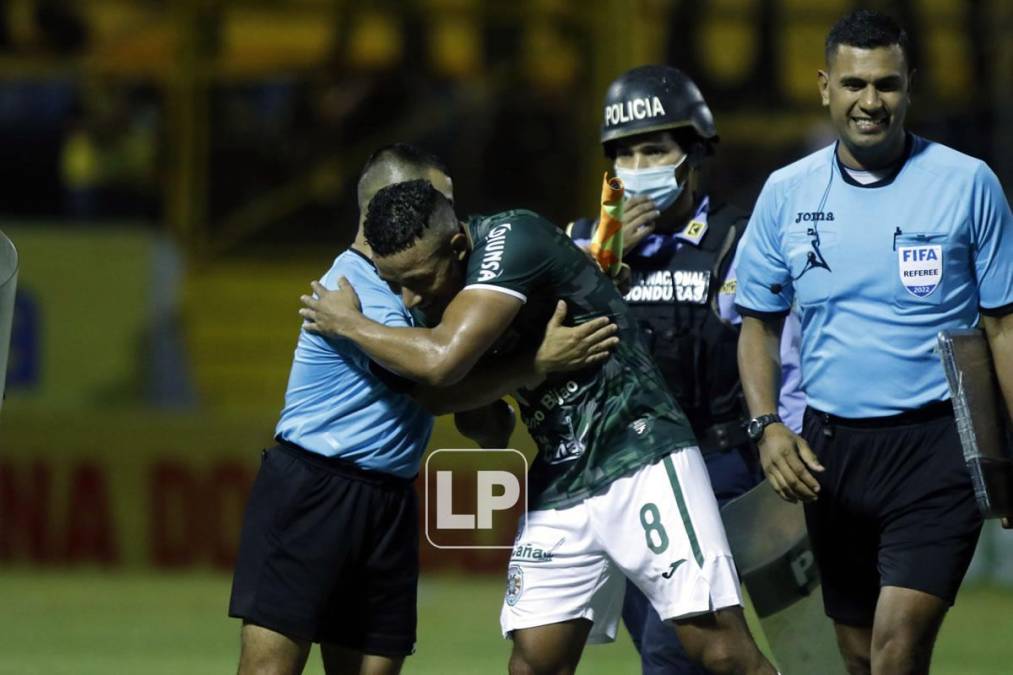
(722, 437)
(932, 411)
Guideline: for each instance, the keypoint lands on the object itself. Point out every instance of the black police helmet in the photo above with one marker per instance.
(655, 98)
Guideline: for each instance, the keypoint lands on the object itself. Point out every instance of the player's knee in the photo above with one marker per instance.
(856, 664)
(899, 650)
(719, 661)
(724, 657)
(721, 643)
(263, 652)
(519, 666)
(265, 664)
(855, 645)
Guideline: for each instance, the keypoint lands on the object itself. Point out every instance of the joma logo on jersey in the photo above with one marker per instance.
(637, 109)
(492, 257)
(809, 216)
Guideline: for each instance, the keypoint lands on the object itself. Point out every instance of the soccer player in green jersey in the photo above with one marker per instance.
(618, 489)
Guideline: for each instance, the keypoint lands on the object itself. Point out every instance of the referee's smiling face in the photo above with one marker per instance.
(868, 93)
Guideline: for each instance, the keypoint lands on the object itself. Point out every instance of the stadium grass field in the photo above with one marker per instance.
(89, 623)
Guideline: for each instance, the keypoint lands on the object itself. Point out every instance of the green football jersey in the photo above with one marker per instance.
(591, 426)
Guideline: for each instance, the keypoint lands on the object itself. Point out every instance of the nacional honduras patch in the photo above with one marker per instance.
(515, 585)
(920, 268)
(668, 286)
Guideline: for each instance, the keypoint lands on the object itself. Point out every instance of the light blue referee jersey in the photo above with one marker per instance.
(877, 271)
(336, 406)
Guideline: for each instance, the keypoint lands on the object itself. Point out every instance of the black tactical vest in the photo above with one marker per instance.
(675, 299)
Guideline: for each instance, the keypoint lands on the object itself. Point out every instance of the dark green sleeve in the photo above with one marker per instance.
(513, 253)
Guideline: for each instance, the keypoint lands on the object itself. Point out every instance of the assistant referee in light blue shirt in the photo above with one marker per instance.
(882, 240)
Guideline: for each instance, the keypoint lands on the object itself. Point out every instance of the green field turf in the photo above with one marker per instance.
(88, 623)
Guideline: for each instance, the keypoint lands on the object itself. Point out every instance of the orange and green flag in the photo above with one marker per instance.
(607, 243)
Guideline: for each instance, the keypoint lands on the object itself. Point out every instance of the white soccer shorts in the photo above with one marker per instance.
(658, 527)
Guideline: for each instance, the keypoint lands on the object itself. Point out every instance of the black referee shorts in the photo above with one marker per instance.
(329, 553)
(896, 508)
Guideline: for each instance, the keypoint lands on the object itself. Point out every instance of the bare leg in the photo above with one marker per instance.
(266, 652)
(721, 643)
(904, 632)
(553, 649)
(343, 661)
(855, 643)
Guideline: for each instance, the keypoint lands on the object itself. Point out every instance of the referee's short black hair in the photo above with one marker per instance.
(866, 29)
(405, 153)
(399, 214)
(389, 161)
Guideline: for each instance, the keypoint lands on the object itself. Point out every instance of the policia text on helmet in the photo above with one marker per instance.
(657, 129)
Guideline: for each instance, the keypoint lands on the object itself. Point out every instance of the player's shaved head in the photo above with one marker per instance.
(398, 163)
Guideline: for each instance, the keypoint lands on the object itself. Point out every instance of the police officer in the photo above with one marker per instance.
(679, 242)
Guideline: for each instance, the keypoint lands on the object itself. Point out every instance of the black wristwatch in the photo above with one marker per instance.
(756, 425)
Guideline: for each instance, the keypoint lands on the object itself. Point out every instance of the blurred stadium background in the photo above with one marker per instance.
(175, 172)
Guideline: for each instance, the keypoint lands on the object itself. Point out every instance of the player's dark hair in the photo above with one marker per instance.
(404, 153)
(866, 29)
(398, 215)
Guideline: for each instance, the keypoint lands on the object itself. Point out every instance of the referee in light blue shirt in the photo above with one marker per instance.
(882, 240)
(329, 547)
(337, 405)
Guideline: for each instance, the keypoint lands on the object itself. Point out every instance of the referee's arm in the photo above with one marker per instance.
(999, 330)
(785, 457)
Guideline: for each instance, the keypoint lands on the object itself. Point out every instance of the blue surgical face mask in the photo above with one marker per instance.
(658, 183)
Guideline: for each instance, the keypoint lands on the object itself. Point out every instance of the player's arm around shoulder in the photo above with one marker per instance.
(471, 324)
(563, 349)
(439, 356)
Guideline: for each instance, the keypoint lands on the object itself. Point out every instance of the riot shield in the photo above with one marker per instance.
(8, 282)
(771, 547)
(982, 421)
